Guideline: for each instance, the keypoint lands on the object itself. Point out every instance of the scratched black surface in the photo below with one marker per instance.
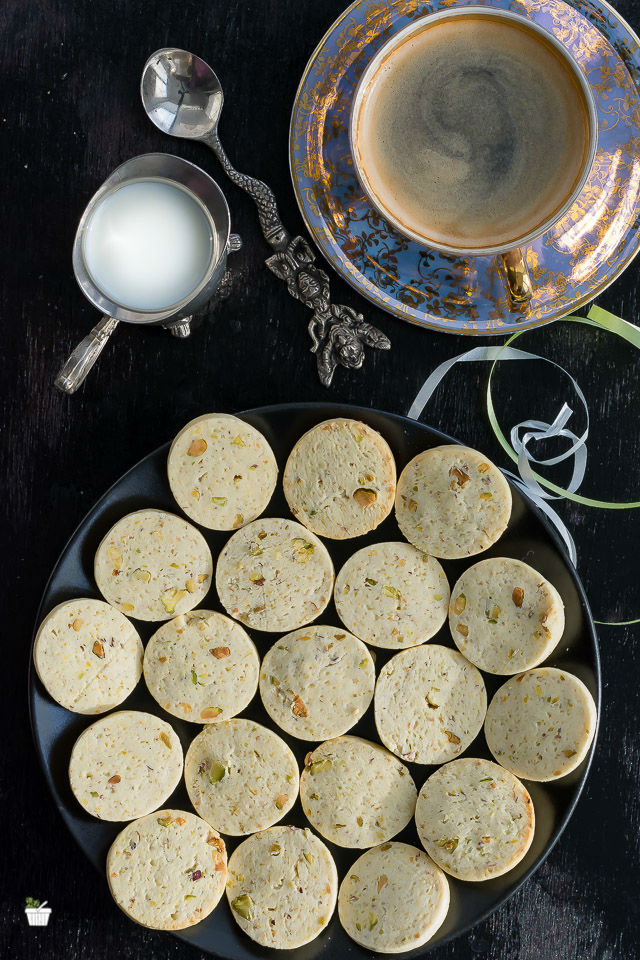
(69, 112)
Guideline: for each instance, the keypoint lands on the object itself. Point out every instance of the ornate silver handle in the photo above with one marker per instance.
(338, 334)
(85, 355)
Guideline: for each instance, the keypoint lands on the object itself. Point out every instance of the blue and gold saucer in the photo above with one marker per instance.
(572, 263)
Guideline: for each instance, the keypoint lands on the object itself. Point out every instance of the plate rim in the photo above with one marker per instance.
(391, 309)
(333, 408)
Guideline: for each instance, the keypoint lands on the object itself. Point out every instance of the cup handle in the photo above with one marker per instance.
(517, 276)
(84, 356)
(235, 243)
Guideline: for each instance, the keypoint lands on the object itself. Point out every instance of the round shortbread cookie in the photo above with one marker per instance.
(392, 595)
(202, 666)
(540, 724)
(222, 472)
(504, 616)
(340, 479)
(241, 777)
(167, 871)
(125, 765)
(317, 682)
(282, 887)
(274, 575)
(393, 898)
(452, 502)
(87, 655)
(355, 793)
(153, 565)
(475, 819)
(430, 704)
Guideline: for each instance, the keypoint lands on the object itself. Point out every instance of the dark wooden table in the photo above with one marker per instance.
(70, 113)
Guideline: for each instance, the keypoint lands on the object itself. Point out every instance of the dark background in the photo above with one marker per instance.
(69, 113)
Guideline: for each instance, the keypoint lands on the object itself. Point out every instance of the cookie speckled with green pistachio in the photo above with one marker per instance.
(222, 471)
(430, 704)
(87, 655)
(504, 616)
(393, 898)
(282, 887)
(274, 575)
(452, 502)
(241, 777)
(541, 724)
(153, 565)
(392, 595)
(340, 479)
(202, 666)
(167, 870)
(317, 682)
(355, 793)
(475, 819)
(125, 765)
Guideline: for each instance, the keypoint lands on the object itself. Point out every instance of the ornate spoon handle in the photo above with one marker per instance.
(338, 334)
(262, 195)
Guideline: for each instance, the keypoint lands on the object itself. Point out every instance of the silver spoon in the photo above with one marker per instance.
(183, 97)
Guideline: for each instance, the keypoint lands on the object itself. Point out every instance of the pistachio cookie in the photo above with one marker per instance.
(355, 793)
(317, 682)
(274, 575)
(87, 655)
(393, 898)
(282, 887)
(168, 870)
(222, 472)
(340, 479)
(240, 776)
(504, 616)
(153, 565)
(392, 595)
(202, 666)
(125, 765)
(430, 704)
(541, 724)
(475, 819)
(452, 502)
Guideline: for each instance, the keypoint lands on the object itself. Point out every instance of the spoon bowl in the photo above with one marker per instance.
(181, 94)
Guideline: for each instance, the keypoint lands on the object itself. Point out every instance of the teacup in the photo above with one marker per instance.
(473, 131)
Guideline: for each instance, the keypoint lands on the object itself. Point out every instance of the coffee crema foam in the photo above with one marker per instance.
(473, 132)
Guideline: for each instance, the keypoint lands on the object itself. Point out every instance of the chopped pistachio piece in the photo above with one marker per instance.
(392, 592)
(459, 604)
(217, 772)
(197, 447)
(364, 497)
(318, 765)
(171, 598)
(242, 906)
(210, 713)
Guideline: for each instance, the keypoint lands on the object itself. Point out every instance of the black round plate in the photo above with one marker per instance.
(529, 538)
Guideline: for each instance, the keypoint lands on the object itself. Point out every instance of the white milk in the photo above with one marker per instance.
(148, 245)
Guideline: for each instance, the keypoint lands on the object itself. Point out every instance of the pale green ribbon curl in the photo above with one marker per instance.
(529, 481)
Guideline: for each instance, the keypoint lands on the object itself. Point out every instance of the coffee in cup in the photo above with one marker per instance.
(473, 131)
